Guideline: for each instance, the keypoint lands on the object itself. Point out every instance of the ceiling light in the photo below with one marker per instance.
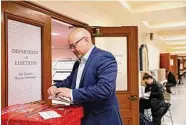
(176, 43)
(174, 38)
(164, 25)
(163, 5)
(146, 24)
(55, 34)
(181, 47)
(170, 24)
(179, 52)
(125, 4)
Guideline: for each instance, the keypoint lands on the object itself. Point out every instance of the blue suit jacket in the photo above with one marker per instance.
(97, 89)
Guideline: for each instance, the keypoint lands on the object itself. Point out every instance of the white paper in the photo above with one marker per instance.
(146, 94)
(60, 100)
(54, 114)
(49, 115)
(44, 115)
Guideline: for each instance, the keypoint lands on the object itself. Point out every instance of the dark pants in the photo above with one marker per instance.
(168, 87)
(145, 104)
(157, 121)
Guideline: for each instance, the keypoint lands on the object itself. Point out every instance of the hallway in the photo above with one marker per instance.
(178, 108)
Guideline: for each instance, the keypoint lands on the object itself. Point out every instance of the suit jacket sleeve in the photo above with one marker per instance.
(66, 82)
(105, 87)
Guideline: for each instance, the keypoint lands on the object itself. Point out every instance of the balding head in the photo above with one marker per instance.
(79, 33)
(80, 41)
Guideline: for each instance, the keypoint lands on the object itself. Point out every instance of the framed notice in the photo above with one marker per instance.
(24, 62)
(144, 58)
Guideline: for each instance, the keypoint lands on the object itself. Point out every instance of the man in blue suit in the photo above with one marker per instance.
(92, 82)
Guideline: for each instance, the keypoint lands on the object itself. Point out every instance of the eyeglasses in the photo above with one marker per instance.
(73, 45)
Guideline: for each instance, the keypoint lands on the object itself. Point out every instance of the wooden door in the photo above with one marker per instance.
(122, 42)
(165, 61)
(18, 20)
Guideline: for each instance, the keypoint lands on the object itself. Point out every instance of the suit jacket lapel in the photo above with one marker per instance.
(86, 66)
(75, 76)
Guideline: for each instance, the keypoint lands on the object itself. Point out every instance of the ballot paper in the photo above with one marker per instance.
(60, 100)
(49, 114)
(146, 95)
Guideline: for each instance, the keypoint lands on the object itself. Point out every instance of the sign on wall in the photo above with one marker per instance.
(118, 47)
(171, 62)
(24, 62)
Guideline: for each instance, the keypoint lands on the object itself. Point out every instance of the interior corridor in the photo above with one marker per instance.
(178, 108)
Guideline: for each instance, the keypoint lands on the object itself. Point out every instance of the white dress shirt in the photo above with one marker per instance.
(81, 68)
(80, 71)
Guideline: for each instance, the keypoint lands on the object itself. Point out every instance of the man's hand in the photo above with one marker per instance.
(52, 91)
(65, 92)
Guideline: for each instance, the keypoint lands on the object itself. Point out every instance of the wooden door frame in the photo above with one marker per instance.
(51, 13)
(131, 32)
(9, 10)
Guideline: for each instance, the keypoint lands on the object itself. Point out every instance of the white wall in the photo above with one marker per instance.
(154, 57)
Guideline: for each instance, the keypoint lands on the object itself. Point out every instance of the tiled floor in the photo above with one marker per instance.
(178, 107)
